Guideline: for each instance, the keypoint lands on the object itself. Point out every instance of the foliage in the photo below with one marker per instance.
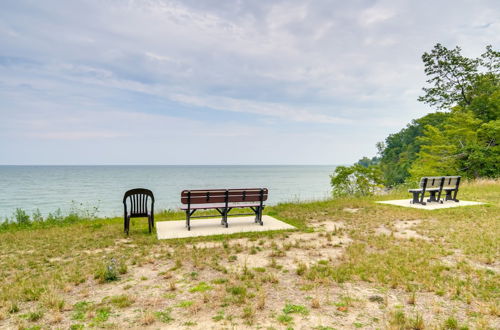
(452, 76)
(110, 271)
(22, 217)
(366, 162)
(400, 150)
(356, 180)
(462, 141)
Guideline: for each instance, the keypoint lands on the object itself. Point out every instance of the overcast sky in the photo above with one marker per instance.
(219, 82)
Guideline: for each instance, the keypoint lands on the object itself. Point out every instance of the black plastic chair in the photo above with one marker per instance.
(138, 207)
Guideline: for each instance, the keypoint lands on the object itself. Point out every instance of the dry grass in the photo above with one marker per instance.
(337, 264)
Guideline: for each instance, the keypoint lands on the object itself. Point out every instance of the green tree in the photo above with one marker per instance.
(450, 76)
(401, 149)
(356, 180)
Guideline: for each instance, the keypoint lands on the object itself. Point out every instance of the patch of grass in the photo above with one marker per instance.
(121, 301)
(219, 281)
(295, 309)
(185, 304)
(80, 309)
(219, 316)
(164, 316)
(33, 316)
(110, 271)
(201, 287)
(102, 315)
(237, 290)
(285, 319)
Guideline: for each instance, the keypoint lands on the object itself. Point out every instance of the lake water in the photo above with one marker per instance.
(49, 188)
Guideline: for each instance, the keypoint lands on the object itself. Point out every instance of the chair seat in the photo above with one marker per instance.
(139, 215)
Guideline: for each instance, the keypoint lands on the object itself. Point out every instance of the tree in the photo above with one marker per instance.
(401, 149)
(452, 75)
(462, 140)
(356, 180)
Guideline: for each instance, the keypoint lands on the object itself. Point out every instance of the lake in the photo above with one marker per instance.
(49, 188)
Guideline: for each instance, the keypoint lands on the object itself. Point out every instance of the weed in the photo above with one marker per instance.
(285, 319)
(450, 323)
(185, 304)
(33, 316)
(79, 310)
(121, 301)
(248, 314)
(201, 287)
(110, 271)
(219, 316)
(295, 309)
(164, 316)
(219, 281)
(102, 315)
(301, 269)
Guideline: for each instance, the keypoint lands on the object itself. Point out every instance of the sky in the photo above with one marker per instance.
(219, 82)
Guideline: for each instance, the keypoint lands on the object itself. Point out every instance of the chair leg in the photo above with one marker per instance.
(127, 225)
(149, 224)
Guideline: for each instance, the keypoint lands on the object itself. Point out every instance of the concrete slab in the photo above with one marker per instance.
(430, 206)
(208, 227)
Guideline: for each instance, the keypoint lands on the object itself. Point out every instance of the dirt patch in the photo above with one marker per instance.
(458, 257)
(328, 225)
(350, 210)
(402, 229)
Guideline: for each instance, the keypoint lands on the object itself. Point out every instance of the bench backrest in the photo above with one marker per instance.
(432, 182)
(209, 196)
(451, 181)
(440, 182)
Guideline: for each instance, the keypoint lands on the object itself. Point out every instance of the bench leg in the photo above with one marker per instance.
(261, 209)
(416, 199)
(432, 197)
(188, 218)
(451, 195)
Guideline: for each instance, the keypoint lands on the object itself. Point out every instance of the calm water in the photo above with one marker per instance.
(51, 187)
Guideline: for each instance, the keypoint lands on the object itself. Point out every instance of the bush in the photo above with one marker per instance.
(355, 180)
(110, 271)
(22, 217)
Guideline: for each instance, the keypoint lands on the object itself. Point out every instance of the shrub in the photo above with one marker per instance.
(22, 217)
(110, 271)
(355, 180)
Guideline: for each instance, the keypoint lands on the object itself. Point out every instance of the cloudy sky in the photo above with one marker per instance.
(219, 82)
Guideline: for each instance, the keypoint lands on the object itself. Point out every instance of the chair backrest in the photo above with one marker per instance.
(432, 182)
(208, 196)
(138, 201)
(451, 181)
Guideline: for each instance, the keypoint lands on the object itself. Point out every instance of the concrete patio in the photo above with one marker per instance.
(429, 206)
(212, 226)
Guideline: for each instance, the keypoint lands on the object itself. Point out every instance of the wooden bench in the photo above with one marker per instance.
(435, 186)
(224, 200)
